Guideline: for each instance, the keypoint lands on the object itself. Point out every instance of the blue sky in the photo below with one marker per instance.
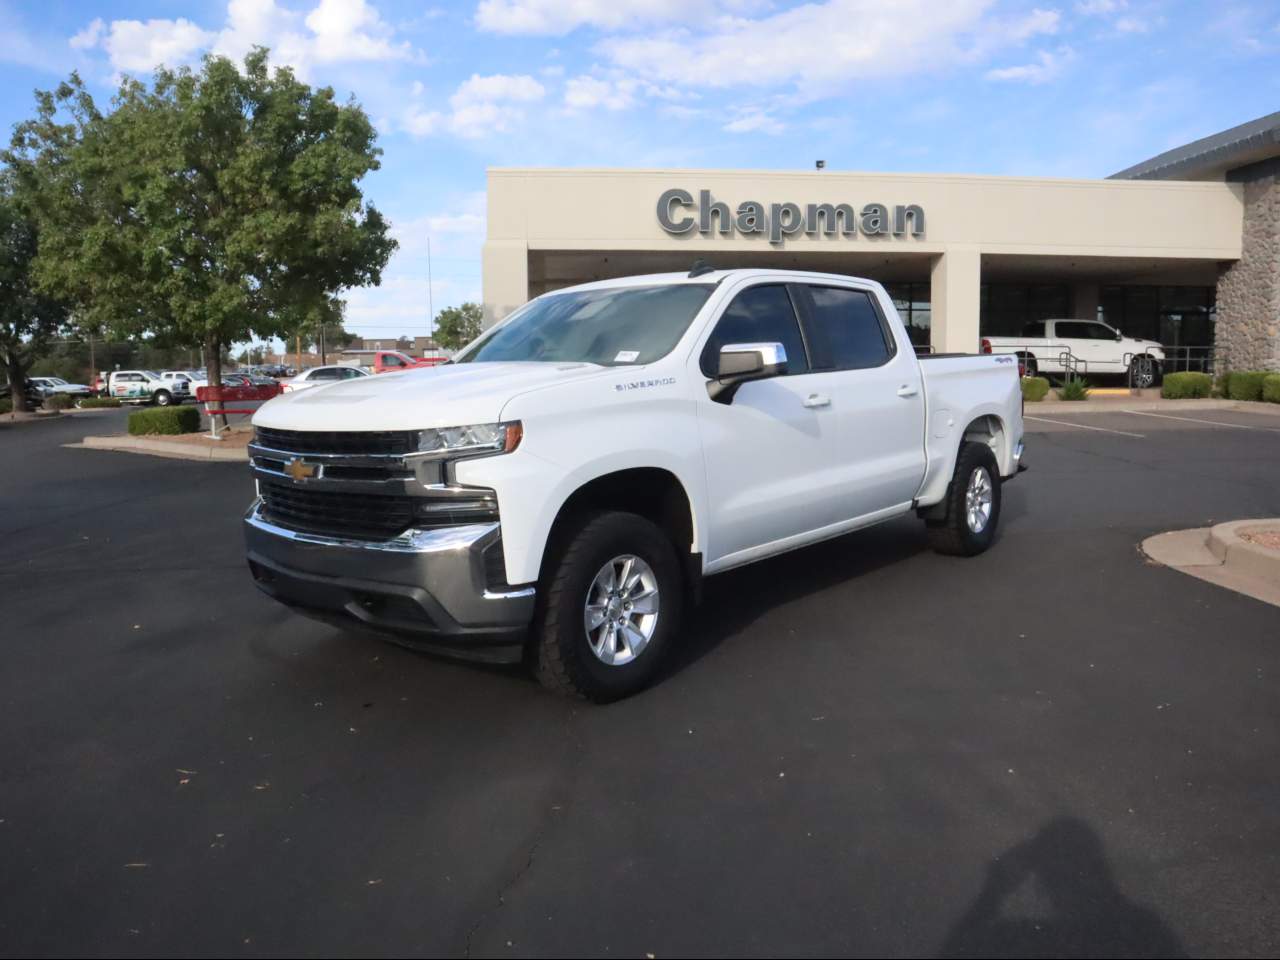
(1077, 89)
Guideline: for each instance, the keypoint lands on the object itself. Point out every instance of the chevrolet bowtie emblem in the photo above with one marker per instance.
(300, 469)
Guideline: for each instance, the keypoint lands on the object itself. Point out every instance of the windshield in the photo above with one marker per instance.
(152, 374)
(617, 325)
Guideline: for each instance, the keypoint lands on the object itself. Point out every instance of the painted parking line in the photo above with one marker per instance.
(1213, 423)
(1085, 426)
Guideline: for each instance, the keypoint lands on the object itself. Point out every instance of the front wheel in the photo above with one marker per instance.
(973, 504)
(163, 398)
(1144, 372)
(610, 608)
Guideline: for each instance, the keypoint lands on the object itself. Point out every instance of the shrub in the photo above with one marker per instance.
(58, 401)
(1245, 384)
(165, 420)
(5, 405)
(1034, 389)
(1186, 386)
(90, 403)
(1271, 388)
(1220, 384)
(1077, 388)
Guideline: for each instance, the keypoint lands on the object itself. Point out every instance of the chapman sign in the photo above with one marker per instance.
(678, 214)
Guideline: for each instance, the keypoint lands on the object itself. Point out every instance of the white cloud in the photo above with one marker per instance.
(88, 38)
(755, 121)
(1132, 25)
(848, 40)
(584, 92)
(140, 46)
(1047, 66)
(482, 105)
(1099, 8)
(332, 31)
(553, 17)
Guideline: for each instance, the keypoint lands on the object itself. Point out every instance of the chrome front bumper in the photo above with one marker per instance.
(425, 587)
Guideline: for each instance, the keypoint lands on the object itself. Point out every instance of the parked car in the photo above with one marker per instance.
(186, 376)
(561, 488)
(35, 396)
(48, 386)
(319, 376)
(388, 361)
(1049, 346)
(146, 386)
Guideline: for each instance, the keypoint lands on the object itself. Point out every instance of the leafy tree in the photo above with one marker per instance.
(28, 319)
(206, 208)
(458, 326)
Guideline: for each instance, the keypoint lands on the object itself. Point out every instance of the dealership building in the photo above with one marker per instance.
(1183, 248)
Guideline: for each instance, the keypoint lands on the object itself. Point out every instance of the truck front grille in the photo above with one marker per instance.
(359, 516)
(365, 443)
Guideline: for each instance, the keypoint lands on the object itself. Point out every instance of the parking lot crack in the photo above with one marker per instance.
(550, 818)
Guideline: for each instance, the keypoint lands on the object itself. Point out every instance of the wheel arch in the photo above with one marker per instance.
(654, 493)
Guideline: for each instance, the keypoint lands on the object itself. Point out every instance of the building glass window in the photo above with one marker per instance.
(1180, 318)
(914, 306)
(1006, 308)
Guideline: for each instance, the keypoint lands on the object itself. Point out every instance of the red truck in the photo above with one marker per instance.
(387, 361)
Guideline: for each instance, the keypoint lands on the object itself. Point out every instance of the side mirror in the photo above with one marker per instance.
(740, 363)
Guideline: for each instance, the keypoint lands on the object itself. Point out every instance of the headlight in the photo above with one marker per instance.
(474, 440)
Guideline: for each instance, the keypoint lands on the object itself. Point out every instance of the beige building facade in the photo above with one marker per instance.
(963, 256)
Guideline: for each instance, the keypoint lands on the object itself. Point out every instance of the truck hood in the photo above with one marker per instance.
(443, 396)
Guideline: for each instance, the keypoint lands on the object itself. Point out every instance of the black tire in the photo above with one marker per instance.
(954, 535)
(565, 661)
(163, 398)
(1138, 372)
(1029, 366)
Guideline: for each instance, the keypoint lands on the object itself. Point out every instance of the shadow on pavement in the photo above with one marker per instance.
(735, 599)
(1053, 896)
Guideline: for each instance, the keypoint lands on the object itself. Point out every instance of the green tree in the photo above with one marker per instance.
(458, 326)
(208, 207)
(28, 319)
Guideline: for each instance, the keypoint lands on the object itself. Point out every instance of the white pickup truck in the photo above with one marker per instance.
(1084, 347)
(561, 488)
(146, 386)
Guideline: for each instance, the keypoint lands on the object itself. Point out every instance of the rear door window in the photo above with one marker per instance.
(845, 330)
(1033, 330)
(760, 314)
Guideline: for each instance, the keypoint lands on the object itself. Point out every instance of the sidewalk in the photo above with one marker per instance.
(183, 446)
(1241, 555)
(1147, 400)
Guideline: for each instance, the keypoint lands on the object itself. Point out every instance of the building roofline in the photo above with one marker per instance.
(1212, 156)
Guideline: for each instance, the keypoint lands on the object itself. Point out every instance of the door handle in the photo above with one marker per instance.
(908, 390)
(817, 400)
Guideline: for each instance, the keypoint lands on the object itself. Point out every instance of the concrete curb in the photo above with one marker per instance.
(161, 448)
(1060, 407)
(1234, 551)
(1218, 554)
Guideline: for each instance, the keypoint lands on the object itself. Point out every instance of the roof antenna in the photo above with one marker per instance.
(700, 267)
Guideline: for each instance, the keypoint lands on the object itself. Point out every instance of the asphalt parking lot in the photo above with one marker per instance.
(864, 749)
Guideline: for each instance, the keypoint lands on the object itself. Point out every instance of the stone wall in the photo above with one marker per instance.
(1247, 334)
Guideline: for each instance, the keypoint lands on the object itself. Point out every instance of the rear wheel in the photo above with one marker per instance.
(1029, 368)
(610, 608)
(973, 504)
